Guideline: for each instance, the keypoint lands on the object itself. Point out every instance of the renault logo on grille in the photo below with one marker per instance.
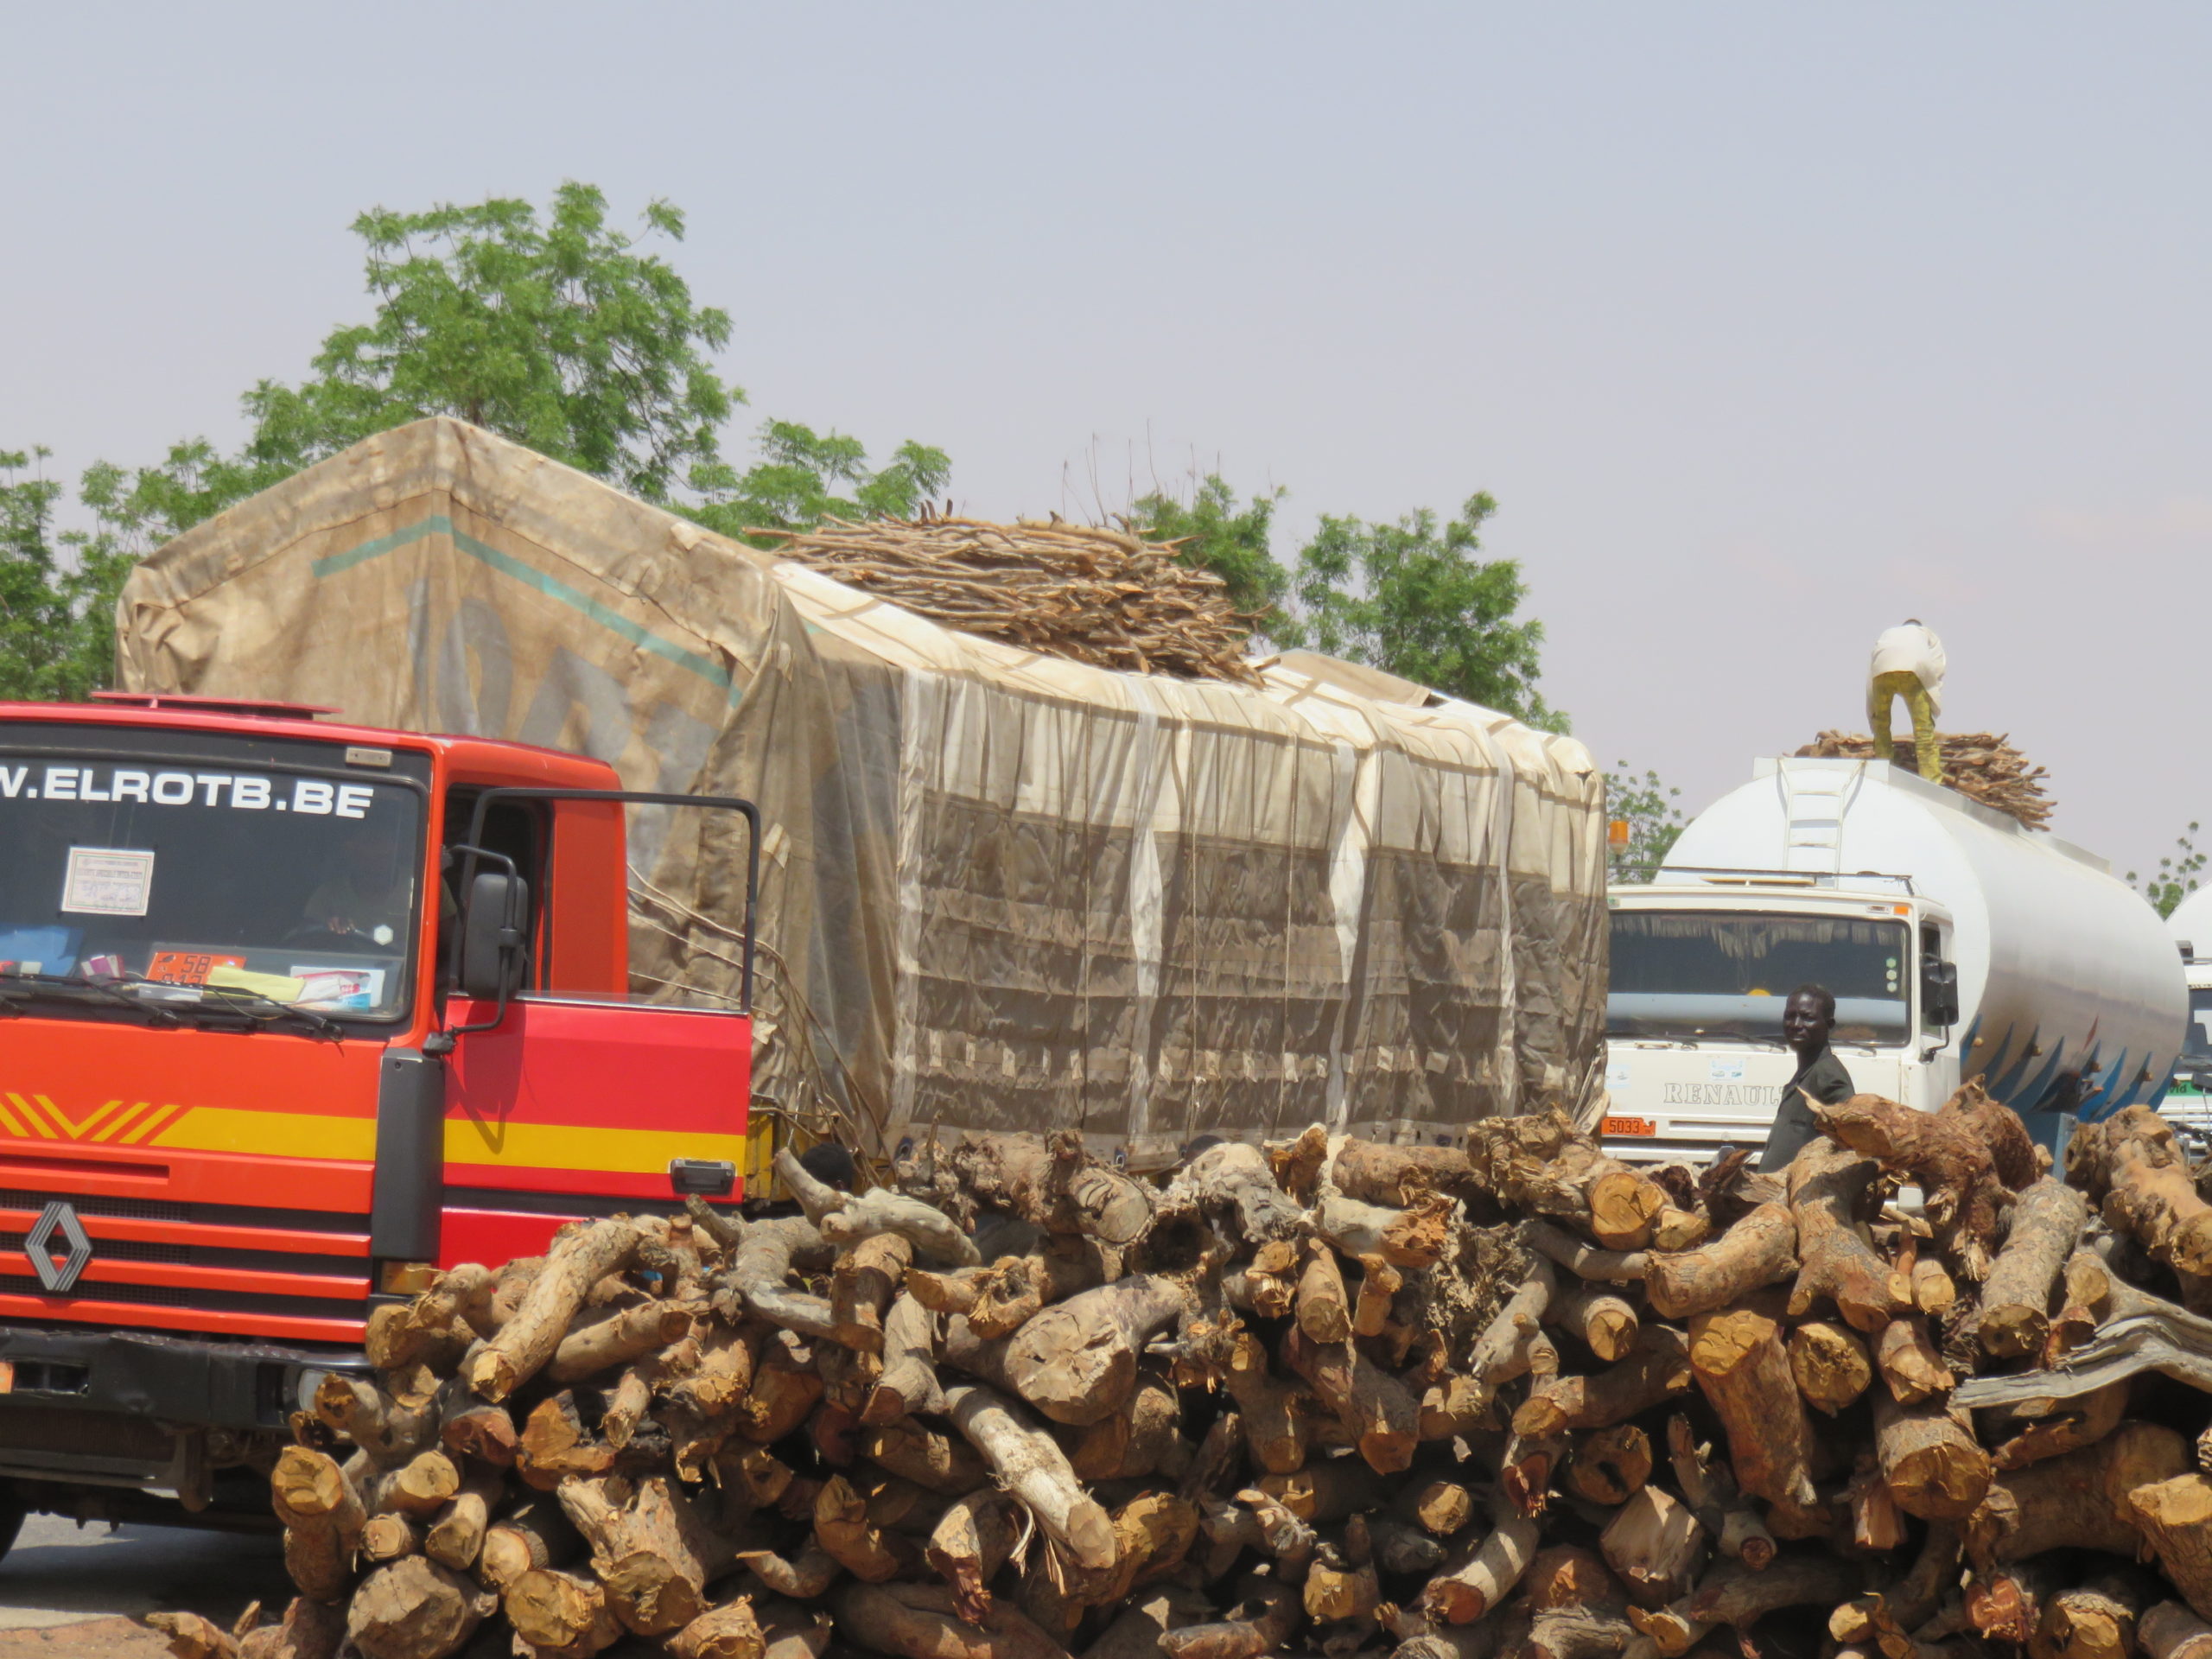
(57, 1273)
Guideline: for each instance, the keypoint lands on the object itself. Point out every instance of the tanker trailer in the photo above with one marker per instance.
(1958, 943)
(2189, 1102)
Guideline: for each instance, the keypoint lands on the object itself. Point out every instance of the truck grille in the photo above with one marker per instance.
(267, 1269)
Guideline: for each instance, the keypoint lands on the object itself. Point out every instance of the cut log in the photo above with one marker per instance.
(1602, 1320)
(1677, 1231)
(919, 1621)
(414, 1609)
(532, 1535)
(454, 1537)
(1741, 1366)
(420, 1486)
(626, 1334)
(1503, 1341)
(192, 1636)
(785, 1384)
(1584, 1261)
(309, 1630)
(2046, 1223)
(2019, 1162)
(2170, 1631)
(560, 1613)
(1324, 1309)
(2132, 1167)
(1232, 1181)
(1948, 1155)
(808, 1572)
(1328, 1489)
(387, 1430)
(1830, 1364)
(2176, 1516)
(1017, 1288)
(1261, 1623)
(581, 1255)
(1029, 1464)
(1144, 1437)
(1379, 1284)
(729, 1631)
(2083, 1420)
(1932, 1289)
(1375, 1173)
(1610, 1466)
(2078, 1500)
(970, 1542)
(1758, 1250)
(1656, 1546)
(1056, 1185)
(388, 1537)
(1442, 1507)
(1741, 1600)
(1659, 1369)
(1909, 1362)
(928, 1457)
(2095, 1620)
(1415, 1236)
(1486, 1574)
(1934, 1466)
(1375, 1409)
(653, 1555)
(1077, 1361)
(485, 1433)
(323, 1517)
(1827, 1195)
(909, 1381)
(843, 1529)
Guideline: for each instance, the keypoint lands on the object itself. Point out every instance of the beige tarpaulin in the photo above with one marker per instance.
(1001, 890)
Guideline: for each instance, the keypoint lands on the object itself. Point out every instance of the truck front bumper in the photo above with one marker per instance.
(130, 1408)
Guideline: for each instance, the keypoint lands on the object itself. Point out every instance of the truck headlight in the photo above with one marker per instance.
(304, 1390)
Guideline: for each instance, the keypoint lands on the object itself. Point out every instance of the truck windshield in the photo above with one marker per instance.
(2197, 1045)
(1679, 973)
(196, 883)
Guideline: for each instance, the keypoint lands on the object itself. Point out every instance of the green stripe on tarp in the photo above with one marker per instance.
(439, 524)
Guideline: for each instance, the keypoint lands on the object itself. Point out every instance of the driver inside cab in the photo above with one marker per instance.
(369, 893)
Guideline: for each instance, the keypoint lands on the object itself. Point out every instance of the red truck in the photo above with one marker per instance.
(292, 1014)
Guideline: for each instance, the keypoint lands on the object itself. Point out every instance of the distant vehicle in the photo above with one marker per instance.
(1958, 943)
(2189, 1102)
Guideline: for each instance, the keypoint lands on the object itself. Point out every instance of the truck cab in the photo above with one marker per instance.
(1703, 963)
(294, 1014)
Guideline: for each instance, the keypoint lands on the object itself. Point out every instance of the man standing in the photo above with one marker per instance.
(1908, 663)
(1806, 1019)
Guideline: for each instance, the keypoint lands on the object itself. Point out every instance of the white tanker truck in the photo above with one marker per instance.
(1958, 943)
(2189, 1103)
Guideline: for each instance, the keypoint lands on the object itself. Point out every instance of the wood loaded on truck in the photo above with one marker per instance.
(294, 1016)
(1512, 1400)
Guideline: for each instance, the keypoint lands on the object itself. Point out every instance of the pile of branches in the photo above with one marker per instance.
(1983, 765)
(1514, 1399)
(1101, 596)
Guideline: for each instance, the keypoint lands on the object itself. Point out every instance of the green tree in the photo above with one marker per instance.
(795, 483)
(2177, 874)
(1416, 600)
(1233, 543)
(557, 331)
(57, 591)
(1646, 806)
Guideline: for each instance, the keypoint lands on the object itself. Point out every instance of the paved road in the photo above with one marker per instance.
(58, 1574)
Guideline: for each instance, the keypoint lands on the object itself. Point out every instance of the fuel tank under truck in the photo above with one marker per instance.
(1957, 943)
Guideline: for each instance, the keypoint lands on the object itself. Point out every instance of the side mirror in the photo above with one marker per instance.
(493, 934)
(1939, 992)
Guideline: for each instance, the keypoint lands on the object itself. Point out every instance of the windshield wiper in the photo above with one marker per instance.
(268, 1011)
(47, 984)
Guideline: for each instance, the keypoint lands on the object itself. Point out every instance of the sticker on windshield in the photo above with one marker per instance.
(339, 987)
(143, 787)
(107, 882)
(187, 967)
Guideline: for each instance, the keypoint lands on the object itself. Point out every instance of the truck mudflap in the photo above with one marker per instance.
(128, 1407)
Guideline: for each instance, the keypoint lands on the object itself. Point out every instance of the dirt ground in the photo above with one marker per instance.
(78, 1593)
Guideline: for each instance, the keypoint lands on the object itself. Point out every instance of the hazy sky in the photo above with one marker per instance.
(1767, 325)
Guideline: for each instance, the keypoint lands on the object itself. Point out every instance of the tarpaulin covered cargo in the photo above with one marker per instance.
(1001, 890)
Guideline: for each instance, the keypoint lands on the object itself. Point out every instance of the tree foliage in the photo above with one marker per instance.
(555, 329)
(1233, 543)
(1646, 805)
(2177, 874)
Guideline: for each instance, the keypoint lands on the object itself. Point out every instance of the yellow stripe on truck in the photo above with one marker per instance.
(270, 1134)
(560, 1146)
(515, 1146)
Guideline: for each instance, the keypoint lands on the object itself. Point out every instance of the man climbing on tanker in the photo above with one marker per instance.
(1807, 1021)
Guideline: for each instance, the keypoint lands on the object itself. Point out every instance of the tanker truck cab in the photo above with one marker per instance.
(293, 1014)
(1982, 950)
(1703, 963)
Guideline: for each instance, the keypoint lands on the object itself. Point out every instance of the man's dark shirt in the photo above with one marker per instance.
(1825, 1080)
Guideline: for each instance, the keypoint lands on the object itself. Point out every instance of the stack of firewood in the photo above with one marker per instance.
(1099, 595)
(1513, 1398)
(1982, 766)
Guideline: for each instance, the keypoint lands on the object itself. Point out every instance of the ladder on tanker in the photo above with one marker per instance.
(1814, 800)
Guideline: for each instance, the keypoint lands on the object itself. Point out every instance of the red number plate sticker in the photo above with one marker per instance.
(1640, 1125)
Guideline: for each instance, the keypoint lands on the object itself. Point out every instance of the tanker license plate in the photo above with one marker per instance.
(1634, 1126)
